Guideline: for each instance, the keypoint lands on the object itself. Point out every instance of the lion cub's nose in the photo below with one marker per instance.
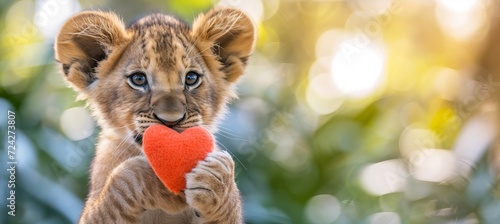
(169, 119)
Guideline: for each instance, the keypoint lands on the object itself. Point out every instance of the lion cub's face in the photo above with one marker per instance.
(157, 70)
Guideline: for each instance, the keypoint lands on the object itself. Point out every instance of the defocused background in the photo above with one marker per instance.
(351, 111)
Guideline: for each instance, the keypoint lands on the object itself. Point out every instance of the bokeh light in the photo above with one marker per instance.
(434, 165)
(384, 218)
(51, 14)
(77, 123)
(322, 95)
(323, 209)
(384, 177)
(357, 72)
(460, 19)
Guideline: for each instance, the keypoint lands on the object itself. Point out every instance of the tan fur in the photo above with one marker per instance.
(97, 54)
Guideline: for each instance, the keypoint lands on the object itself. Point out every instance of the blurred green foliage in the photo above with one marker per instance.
(296, 163)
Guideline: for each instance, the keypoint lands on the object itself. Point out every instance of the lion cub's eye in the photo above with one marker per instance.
(192, 79)
(138, 79)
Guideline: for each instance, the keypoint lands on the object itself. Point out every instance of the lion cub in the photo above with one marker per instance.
(158, 70)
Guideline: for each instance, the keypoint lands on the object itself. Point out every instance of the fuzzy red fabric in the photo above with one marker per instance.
(173, 154)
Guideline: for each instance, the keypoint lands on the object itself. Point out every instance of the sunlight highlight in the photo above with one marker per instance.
(458, 6)
(384, 177)
(433, 165)
(460, 19)
(357, 72)
(51, 14)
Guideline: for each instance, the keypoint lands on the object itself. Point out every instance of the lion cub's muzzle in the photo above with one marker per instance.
(170, 109)
(168, 120)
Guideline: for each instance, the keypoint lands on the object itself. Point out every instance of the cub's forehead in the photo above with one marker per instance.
(162, 38)
(163, 29)
(157, 20)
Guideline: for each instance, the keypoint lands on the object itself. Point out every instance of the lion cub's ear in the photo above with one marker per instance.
(85, 40)
(231, 35)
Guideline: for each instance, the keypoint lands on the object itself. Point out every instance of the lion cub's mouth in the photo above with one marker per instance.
(139, 135)
(146, 119)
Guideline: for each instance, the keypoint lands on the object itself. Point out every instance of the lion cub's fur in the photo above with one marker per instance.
(98, 54)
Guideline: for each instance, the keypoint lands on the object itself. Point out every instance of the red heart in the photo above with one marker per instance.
(173, 154)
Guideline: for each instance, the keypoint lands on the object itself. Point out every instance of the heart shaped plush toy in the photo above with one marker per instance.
(173, 154)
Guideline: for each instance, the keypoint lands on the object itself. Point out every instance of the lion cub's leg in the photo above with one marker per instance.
(211, 190)
(131, 189)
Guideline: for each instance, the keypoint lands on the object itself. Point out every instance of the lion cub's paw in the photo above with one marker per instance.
(211, 185)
